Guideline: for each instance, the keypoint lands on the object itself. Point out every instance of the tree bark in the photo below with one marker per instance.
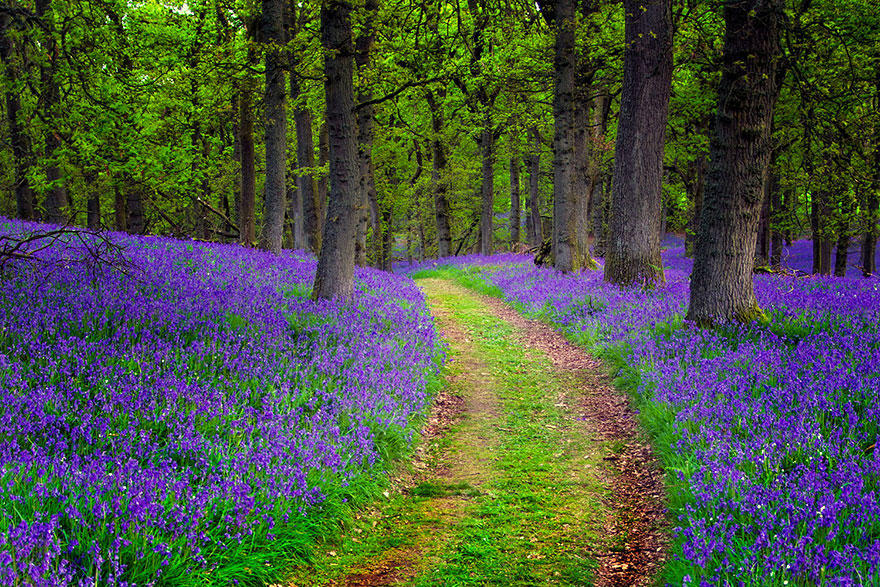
(699, 185)
(533, 163)
(633, 254)
(487, 192)
(438, 173)
(335, 274)
(514, 199)
(869, 239)
(307, 187)
(56, 201)
(93, 201)
(722, 286)
(275, 188)
(598, 127)
(762, 237)
(248, 183)
(564, 103)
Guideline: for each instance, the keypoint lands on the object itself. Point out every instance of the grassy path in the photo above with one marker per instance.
(515, 481)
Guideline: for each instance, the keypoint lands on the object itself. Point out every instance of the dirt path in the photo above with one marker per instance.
(530, 471)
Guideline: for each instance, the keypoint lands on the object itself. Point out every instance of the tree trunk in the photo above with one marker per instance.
(722, 286)
(275, 188)
(633, 254)
(121, 215)
(307, 187)
(776, 218)
(248, 184)
(93, 201)
(56, 202)
(335, 274)
(581, 191)
(323, 187)
(364, 46)
(514, 199)
(564, 103)
(598, 126)
(762, 237)
(487, 192)
(699, 186)
(135, 207)
(533, 163)
(840, 258)
(24, 203)
(438, 173)
(819, 222)
(869, 239)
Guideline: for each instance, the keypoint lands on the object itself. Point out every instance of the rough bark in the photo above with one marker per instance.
(18, 139)
(56, 200)
(248, 179)
(335, 274)
(514, 200)
(533, 163)
(438, 173)
(841, 254)
(722, 285)
(598, 127)
(487, 192)
(275, 97)
(564, 103)
(633, 254)
(581, 191)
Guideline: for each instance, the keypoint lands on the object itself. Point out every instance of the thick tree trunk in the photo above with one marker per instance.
(514, 200)
(438, 173)
(56, 201)
(487, 192)
(722, 285)
(248, 183)
(335, 274)
(275, 188)
(533, 163)
(18, 139)
(633, 254)
(564, 243)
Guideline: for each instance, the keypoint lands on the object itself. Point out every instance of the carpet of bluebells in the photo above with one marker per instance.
(170, 417)
(765, 431)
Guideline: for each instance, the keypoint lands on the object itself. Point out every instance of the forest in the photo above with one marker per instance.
(255, 254)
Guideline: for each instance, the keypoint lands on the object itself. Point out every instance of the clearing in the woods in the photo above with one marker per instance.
(531, 470)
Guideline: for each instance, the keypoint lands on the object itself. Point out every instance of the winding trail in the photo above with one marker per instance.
(531, 470)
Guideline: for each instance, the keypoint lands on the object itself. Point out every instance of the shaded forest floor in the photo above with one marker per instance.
(531, 470)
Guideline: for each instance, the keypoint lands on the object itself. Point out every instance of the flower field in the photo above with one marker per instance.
(766, 432)
(191, 416)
